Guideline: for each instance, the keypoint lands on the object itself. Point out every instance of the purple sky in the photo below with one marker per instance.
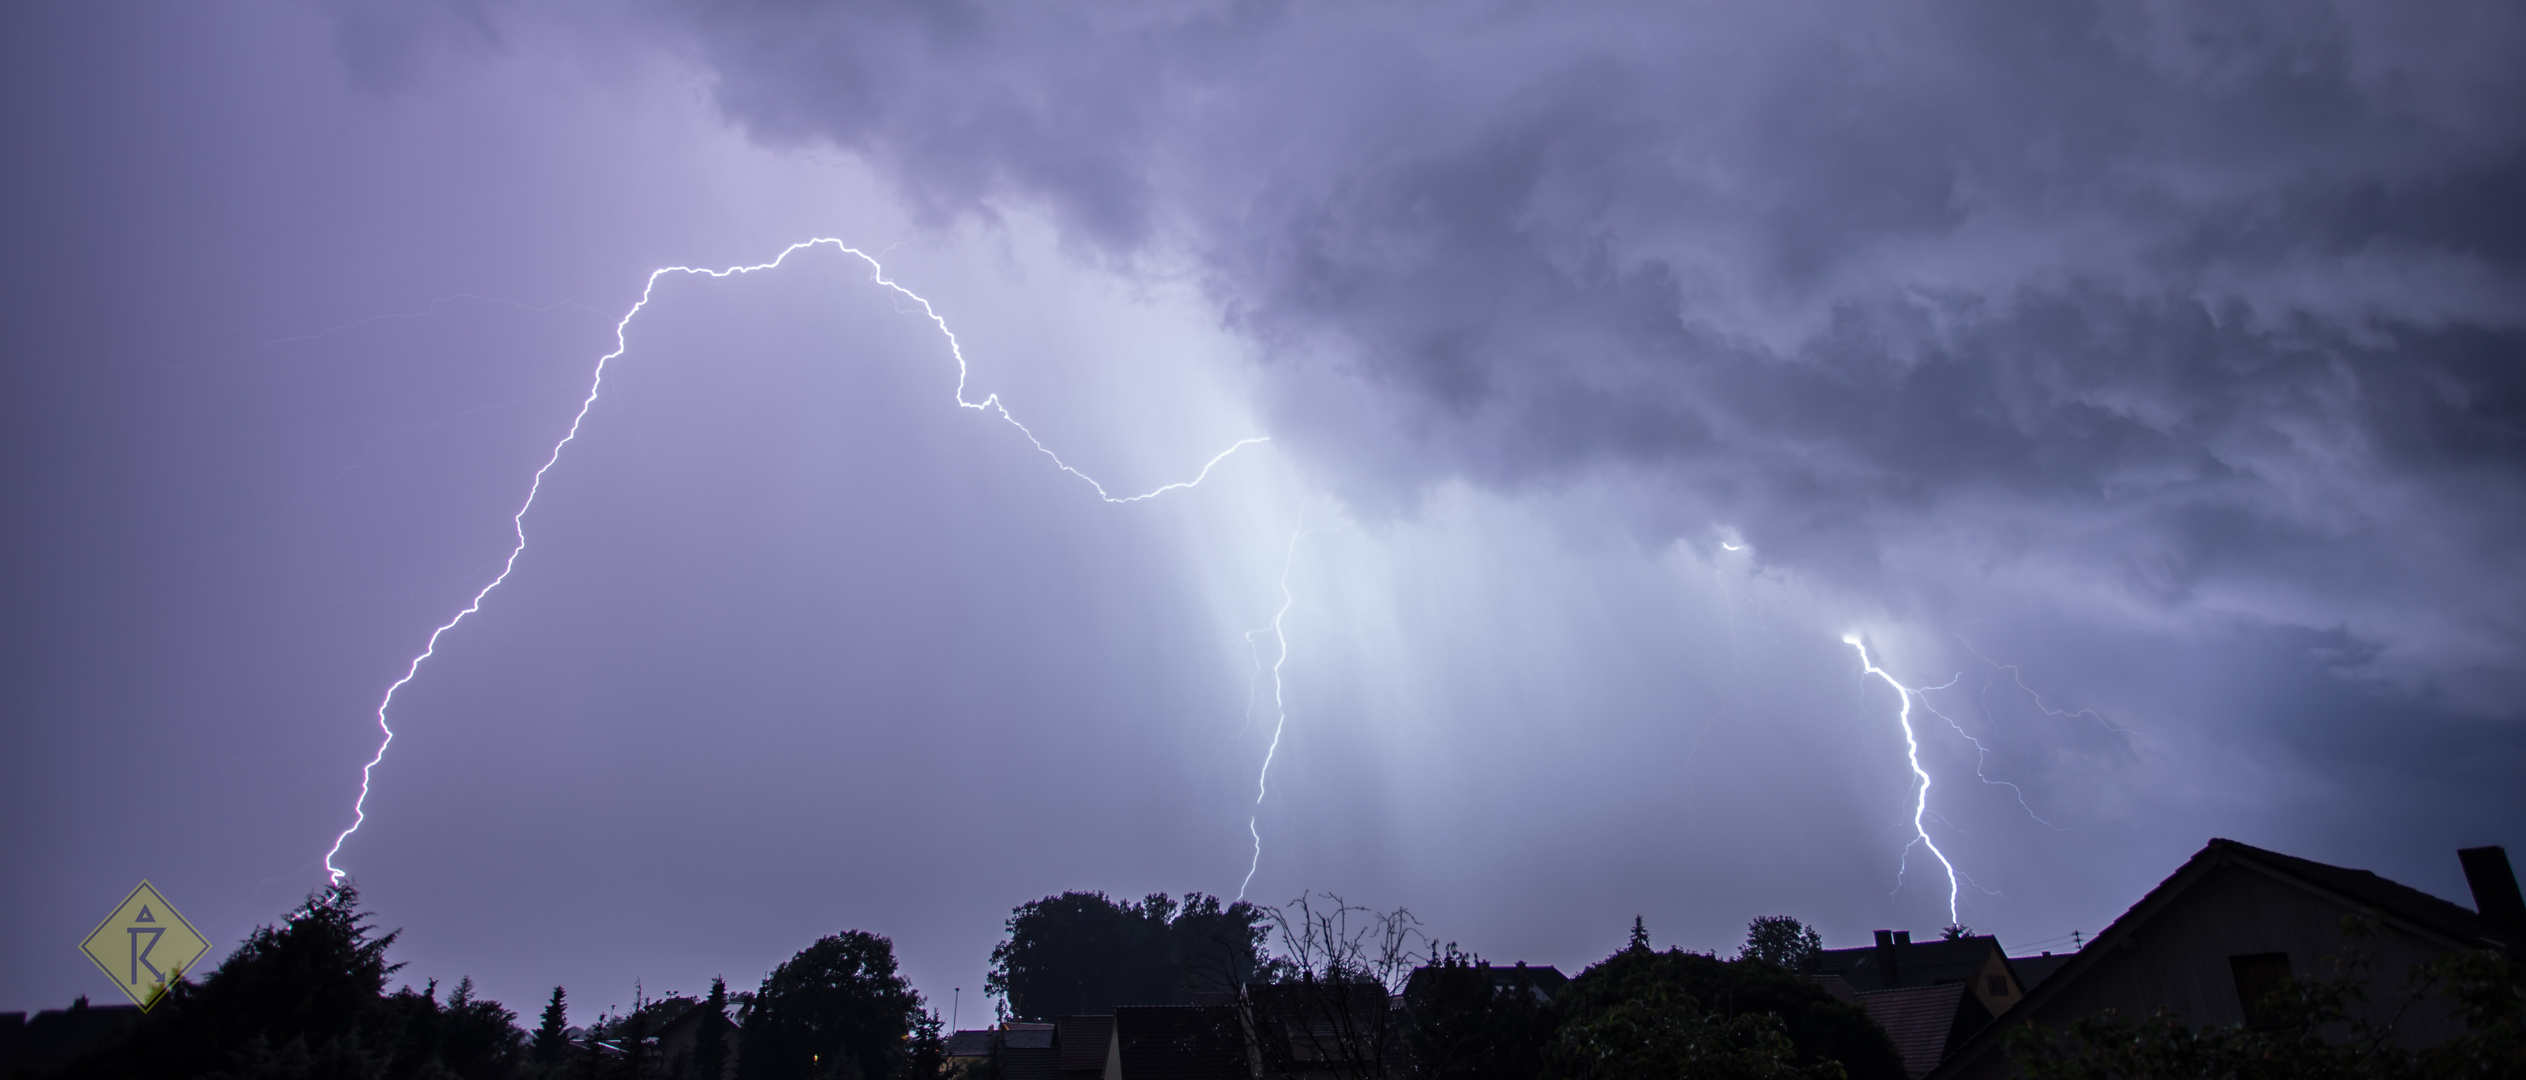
(2147, 377)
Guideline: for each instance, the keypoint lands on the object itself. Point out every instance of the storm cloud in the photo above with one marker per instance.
(2160, 310)
(2143, 379)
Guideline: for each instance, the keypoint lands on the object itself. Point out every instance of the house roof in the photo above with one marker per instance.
(1918, 1019)
(2413, 909)
(1081, 1042)
(1031, 1063)
(1182, 1042)
(693, 1016)
(2386, 897)
(977, 1042)
(1837, 986)
(2033, 970)
(1546, 980)
(1919, 963)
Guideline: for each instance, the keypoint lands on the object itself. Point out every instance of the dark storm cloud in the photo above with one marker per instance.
(2175, 310)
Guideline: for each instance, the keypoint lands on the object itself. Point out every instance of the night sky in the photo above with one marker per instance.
(2144, 382)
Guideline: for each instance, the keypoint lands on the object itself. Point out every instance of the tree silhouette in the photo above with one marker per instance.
(1081, 952)
(1674, 998)
(1465, 1020)
(552, 1034)
(1781, 941)
(307, 997)
(838, 1008)
(710, 1044)
(1328, 1006)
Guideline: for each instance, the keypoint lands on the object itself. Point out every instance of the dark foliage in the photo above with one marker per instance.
(1782, 942)
(307, 998)
(1679, 999)
(1323, 1003)
(839, 1009)
(1665, 1034)
(1465, 1020)
(710, 1044)
(1080, 952)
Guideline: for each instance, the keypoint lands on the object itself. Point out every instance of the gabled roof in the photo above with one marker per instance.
(693, 1016)
(2413, 910)
(2033, 970)
(2391, 899)
(1919, 1019)
(1919, 963)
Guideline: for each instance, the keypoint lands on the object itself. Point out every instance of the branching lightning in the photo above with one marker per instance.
(1982, 754)
(1280, 709)
(1912, 754)
(2020, 680)
(596, 383)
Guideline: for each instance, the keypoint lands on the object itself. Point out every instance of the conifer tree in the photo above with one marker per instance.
(710, 1045)
(552, 1037)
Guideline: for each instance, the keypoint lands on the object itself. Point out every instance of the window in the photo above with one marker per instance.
(1999, 985)
(2258, 975)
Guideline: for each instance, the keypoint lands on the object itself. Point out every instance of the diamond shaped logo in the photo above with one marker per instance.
(144, 946)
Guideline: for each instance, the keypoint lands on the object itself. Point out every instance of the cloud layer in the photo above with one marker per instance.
(2153, 311)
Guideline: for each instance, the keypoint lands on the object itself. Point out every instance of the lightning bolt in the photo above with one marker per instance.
(1982, 753)
(596, 384)
(1280, 709)
(2020, 680)
(1912, 754)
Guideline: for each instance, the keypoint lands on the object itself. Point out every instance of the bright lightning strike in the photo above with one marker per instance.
(596, 383)
(1912, 754)
(1280, 710)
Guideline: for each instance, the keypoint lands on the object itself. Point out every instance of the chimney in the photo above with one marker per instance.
(2495, 895)
(1888, 971)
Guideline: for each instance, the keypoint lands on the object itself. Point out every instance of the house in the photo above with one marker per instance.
(1930, 996)
(1165, 1042)
(1084, 1048)
(1260, 1031)
(53, 1037)
(2234, 921)
(1544, 981)
(679, 1038)
(1026, 1050)
(1181, 1042)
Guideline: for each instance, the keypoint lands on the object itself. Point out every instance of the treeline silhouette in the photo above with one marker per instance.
(1332, 990)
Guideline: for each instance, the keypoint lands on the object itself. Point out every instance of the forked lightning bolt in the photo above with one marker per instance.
(596, 384)
(1982, 754)
(1912, 754)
